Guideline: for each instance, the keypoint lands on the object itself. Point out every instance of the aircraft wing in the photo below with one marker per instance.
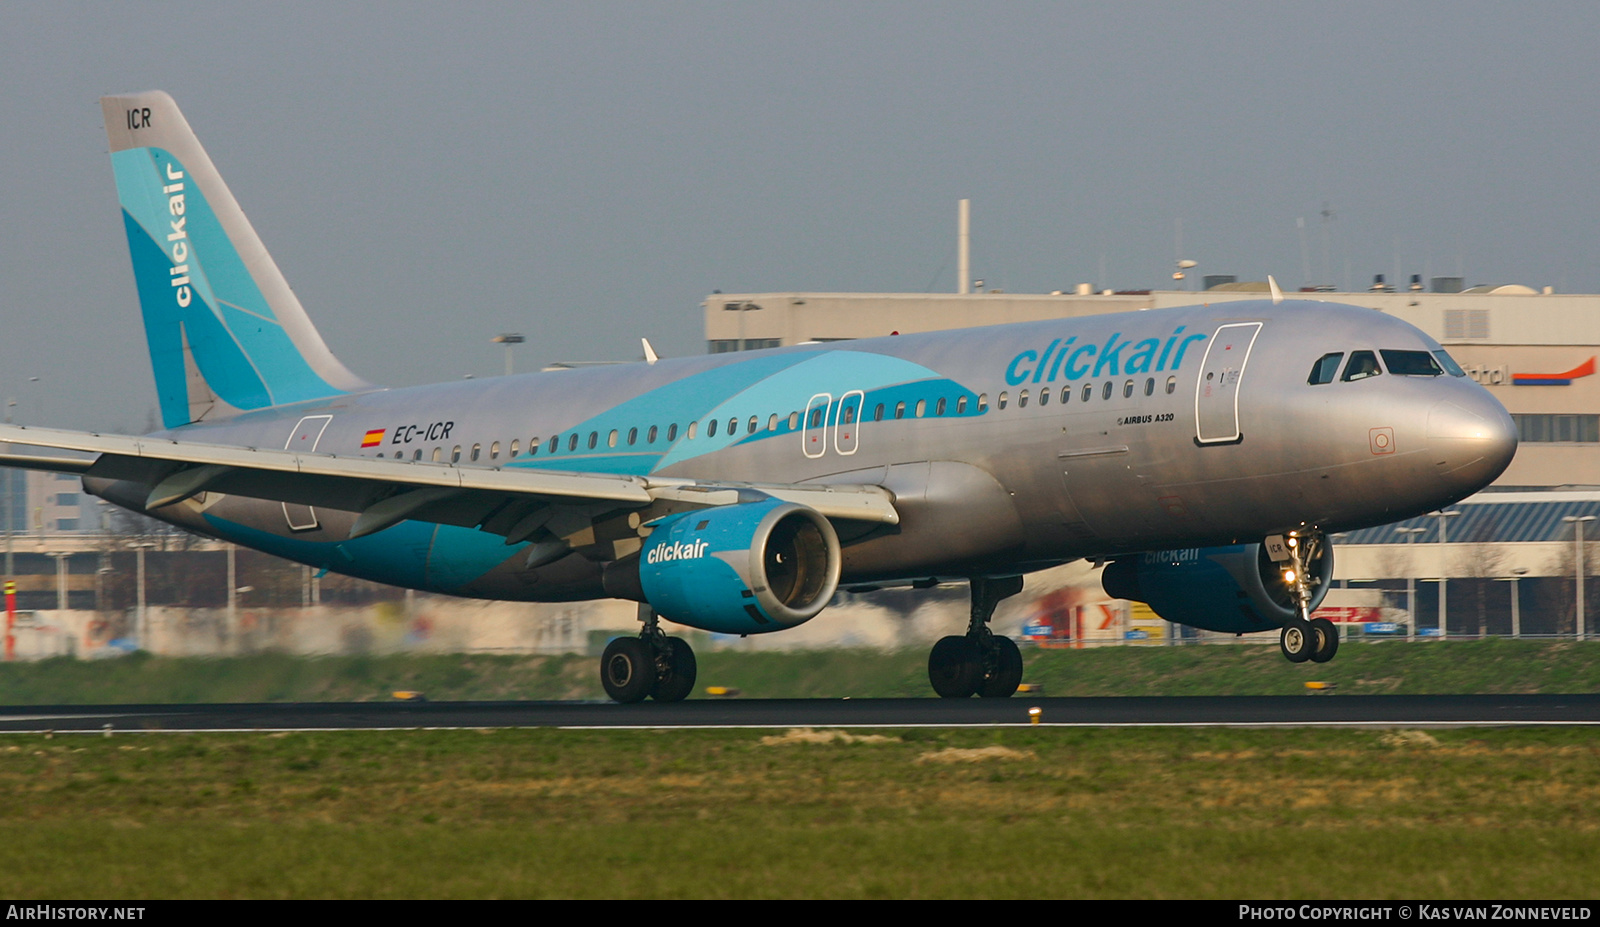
(515, 502)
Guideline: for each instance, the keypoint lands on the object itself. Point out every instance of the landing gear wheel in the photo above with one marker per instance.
(628, 670)
(1325, 636)
(1297, 640)
(1007, 675)
(955, 667)
(677, 681)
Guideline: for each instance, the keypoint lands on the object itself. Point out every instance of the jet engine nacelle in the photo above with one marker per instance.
(741, 569)
(1234, 589)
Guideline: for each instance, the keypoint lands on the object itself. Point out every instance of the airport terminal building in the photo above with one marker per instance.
(1506, 565)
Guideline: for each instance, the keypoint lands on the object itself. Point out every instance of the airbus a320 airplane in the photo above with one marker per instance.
(1202, 453)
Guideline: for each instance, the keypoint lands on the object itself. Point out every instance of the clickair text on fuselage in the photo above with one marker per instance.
(1068, 360)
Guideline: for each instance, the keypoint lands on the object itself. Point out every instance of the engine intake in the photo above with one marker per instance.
(741, 569)
(1235, 589)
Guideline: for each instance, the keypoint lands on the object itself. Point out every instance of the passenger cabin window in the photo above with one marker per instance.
(1044, 397)
(900, 410)
(611, 439)
(1411, 364)
(1105, 392)
(455, 455)
(1362, 364)
(1325, 369)
(688, 434)
(711, 428)
(939, 408)
(494, 451)
(594, 438)
(416, 454)
(572, 441)
(961, 405)
(983, 401)
(633, 436)
(772, 422)
(794, 418)
(922, 407)
(754, 424)
(1001, 402)
(517, 446)
(650, 436)
(1172, 384)
(1127, 390)
(1066, 394)
(1022, 399)
(1150, 386)
(733, 427)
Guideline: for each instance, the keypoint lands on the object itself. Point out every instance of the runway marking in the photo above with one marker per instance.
(1375, 725)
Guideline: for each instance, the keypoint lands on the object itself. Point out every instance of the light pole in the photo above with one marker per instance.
(1577, 536)
(508, 339)
(1516, 599)
(1444, 611)
(142, 617)
(1411, 584)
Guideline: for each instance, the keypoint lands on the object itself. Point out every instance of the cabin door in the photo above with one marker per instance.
(1216, 400)
(304, 439)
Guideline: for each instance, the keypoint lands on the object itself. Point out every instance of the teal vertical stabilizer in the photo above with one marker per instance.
(226, 334)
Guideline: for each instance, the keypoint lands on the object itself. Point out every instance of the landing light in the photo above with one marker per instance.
(1288, 576)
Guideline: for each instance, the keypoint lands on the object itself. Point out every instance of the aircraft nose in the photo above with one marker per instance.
(1473, 439)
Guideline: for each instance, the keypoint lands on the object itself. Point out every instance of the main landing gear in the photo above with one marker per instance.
(980, 663)
(1303, 637)
(650, 665)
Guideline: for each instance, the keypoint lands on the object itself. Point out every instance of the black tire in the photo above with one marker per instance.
(1007, 671)
(1297, 641)
(628, 670)
(1325, 635)
(678, 682)
(955, 667)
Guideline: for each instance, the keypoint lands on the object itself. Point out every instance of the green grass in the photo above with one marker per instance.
(1050, 813)
(1455, 667)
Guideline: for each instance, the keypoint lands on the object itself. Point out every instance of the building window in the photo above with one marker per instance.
(66, 524)
(1558, 429)
(66, 498)
(722, 346)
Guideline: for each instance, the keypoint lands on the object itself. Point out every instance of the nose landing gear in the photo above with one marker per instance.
(651, 665)
(1303, 637)
(980, 663)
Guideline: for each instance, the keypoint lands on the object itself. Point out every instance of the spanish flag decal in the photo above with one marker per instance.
(373, 438)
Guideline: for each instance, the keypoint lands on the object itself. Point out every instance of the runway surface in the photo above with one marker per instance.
(1280, 711)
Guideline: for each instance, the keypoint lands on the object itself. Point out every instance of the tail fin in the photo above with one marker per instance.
(226, 333)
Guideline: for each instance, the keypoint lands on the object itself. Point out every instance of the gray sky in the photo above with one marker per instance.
(428, 175)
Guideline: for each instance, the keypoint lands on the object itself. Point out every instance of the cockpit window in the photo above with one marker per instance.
(1449, 364)
(1362, 364)
(1325, 369)
(1411, 364)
